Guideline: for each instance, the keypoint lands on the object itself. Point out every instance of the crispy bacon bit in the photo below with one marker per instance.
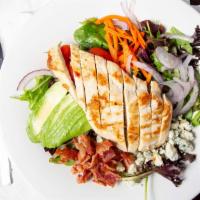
(66, 154)
(98, 161)
(127, 159)
(103, 146)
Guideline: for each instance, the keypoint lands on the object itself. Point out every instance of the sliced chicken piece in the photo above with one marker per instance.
(56, 64)
(116, 103)
(76, 66)
(132, 113)
(157, 109)
(91, 92)
(103, 89)
(144, 102)
(166, 120)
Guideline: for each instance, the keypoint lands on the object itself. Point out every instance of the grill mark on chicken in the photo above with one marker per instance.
(78, 78)
(57, 65)
(166, 120)
(101, 79)
(125, 117)
(157, 109)
(91, 89)
(116, 103)
(117, 75)
(131, 113)
(144, 101)
(103, 92)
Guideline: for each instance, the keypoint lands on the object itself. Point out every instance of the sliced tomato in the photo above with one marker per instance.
(65, 49)
(101, 52)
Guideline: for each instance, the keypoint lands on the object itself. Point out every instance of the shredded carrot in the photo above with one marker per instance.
(122, 43)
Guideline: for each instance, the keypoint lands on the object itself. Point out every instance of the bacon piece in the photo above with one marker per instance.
(127, 159)
(86, 176)
(66, 154)
(98, 161)
(108, 155)
(103, 146)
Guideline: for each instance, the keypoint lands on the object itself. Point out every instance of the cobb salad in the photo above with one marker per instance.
(120, 102)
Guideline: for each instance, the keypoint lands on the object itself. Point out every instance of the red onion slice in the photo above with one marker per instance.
(30, 76)
(187, 60)
(177, 92)
(128, 8)
(180, 37)
(192, 100)
(178, 108)
(183, 69)
(167, 59)
(191, 75)
(149, 69)
(121, 24)
(187, 86)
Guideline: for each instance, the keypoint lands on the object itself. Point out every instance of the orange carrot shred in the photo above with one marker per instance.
(122, 43)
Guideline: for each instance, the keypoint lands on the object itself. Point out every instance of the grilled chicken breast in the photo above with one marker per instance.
(132, 113)
(118, 107)
(103, 90)
(144, 102)
(76, 67)
(166, 120)
(116, 103)
(156, 114)
(56, 64)
(88, 70)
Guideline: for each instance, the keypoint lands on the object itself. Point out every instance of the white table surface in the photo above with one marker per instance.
(13, 15)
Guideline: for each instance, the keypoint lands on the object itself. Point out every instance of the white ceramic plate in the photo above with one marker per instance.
(53, 24)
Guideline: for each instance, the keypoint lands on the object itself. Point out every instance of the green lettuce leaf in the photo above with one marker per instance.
(193, 115)
(91, 35)
(181, 44)
(34, 95)
(167, 75)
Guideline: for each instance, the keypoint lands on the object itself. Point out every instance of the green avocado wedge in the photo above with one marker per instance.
(55, 117)
(36, 119)
(67, 120)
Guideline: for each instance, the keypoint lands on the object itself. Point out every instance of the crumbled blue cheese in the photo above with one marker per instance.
(185, 125)
(157, 159)
(188, 135)
(140, 159)
(184, 145)
(171, 152)
(147, 156)
(180, 138)
(120, 167)
(132, 169)
(175, 125)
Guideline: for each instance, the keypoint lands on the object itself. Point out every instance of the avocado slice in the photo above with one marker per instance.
(67, 120)
(48, 102)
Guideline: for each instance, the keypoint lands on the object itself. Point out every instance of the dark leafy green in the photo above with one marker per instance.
(90, 35)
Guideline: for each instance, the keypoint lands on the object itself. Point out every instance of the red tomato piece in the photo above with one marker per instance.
(65, 49)
(101, 52)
